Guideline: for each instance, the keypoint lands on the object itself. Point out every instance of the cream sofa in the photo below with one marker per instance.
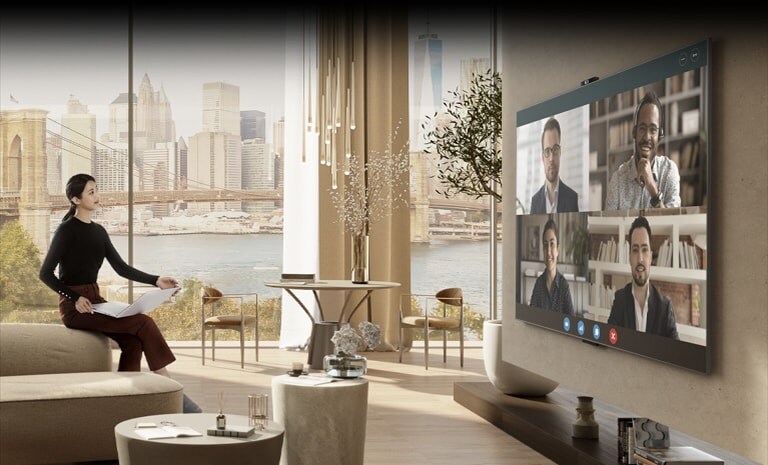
(60, 399)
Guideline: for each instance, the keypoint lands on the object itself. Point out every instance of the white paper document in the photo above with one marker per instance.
(312, 380)
(165, 432)
(144, 304)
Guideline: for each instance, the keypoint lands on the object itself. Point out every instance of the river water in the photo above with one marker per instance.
(242, 263)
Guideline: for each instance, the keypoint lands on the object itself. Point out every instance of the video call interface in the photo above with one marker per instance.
(612, 185)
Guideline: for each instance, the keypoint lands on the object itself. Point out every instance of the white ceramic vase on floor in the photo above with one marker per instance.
(510, 379)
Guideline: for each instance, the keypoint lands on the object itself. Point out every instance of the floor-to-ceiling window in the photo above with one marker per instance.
(188, 155)
(209, 150)
(59, 72)
(450, 234)
(208, 107)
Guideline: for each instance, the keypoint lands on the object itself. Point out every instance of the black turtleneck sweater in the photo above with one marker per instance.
(79, 250)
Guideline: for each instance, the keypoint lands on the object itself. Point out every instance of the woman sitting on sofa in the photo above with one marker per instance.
(78, 248)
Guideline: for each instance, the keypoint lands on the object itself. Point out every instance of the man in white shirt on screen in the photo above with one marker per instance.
(648, 179)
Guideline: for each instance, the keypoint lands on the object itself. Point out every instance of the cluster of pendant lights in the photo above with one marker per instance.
(331, 117)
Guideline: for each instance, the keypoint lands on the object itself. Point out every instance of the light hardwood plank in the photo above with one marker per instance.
(411, 419)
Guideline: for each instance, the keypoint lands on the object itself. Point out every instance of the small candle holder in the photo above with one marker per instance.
(297, 369)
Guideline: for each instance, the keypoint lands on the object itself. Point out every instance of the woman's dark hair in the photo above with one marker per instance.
(550, 224)
(75, 188)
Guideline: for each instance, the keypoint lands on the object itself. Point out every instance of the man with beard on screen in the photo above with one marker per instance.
(554, 196)
(639, 305)
(648, 179)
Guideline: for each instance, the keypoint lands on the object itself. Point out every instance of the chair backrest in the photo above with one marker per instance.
(450, 296)
(211, 295)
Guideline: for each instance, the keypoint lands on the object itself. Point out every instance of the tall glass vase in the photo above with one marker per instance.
(360, 258)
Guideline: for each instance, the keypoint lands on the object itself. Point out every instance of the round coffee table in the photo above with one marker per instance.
(263, 447)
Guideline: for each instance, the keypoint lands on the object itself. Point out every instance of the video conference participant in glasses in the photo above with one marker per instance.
(551, 290)
(640, 305)
(649, 179)
(554, 196)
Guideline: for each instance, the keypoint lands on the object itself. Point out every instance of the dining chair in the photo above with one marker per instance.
(211, 298)
(433, 319)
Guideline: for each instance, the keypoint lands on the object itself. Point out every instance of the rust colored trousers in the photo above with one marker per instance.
(136, 334)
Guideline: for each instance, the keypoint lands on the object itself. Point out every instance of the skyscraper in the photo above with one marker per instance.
(53, 163)
(221, 108)
(78, 140)
(153, 119)
(158, 173)
(111, 167)
(427, 89)
(253, 125)
(118, 118)
(214, 162)
(214, 159)
(427, 83)
(258, 173)
(278, 141)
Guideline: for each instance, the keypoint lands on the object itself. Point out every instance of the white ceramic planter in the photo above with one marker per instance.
(510, 379)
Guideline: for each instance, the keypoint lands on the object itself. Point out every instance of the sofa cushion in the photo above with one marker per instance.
(35, 348)
(60, 399)
(83, 385)
(71, 417)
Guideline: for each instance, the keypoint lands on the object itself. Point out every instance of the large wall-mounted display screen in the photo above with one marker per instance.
(613, 181)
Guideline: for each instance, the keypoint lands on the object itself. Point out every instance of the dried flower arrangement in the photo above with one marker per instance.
(372, 189)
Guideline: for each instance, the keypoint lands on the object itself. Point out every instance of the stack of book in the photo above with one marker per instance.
(647, 442)
(675, 455)
(625, 430)
(640, 433)
(297, 278)
(232, 431)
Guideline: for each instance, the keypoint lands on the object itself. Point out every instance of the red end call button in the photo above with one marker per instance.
(613, 336)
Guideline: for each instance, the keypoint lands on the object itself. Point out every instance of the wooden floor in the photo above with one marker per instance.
(412, 417)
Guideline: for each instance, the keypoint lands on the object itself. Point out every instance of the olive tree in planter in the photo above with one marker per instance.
(466, 137)
(467, 140)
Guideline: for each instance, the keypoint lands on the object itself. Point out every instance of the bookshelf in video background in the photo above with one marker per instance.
(611, 143)
(678, 269)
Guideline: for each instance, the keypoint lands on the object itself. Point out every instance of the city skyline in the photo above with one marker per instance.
(87, 57)
(181, 60)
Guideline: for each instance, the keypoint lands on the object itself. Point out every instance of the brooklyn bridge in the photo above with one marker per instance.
(9, 201)
(24, 193)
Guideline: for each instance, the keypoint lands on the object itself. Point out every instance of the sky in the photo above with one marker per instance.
(45, 60)
(465, 33)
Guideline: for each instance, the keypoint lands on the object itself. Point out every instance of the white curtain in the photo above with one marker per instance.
(300, 207)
